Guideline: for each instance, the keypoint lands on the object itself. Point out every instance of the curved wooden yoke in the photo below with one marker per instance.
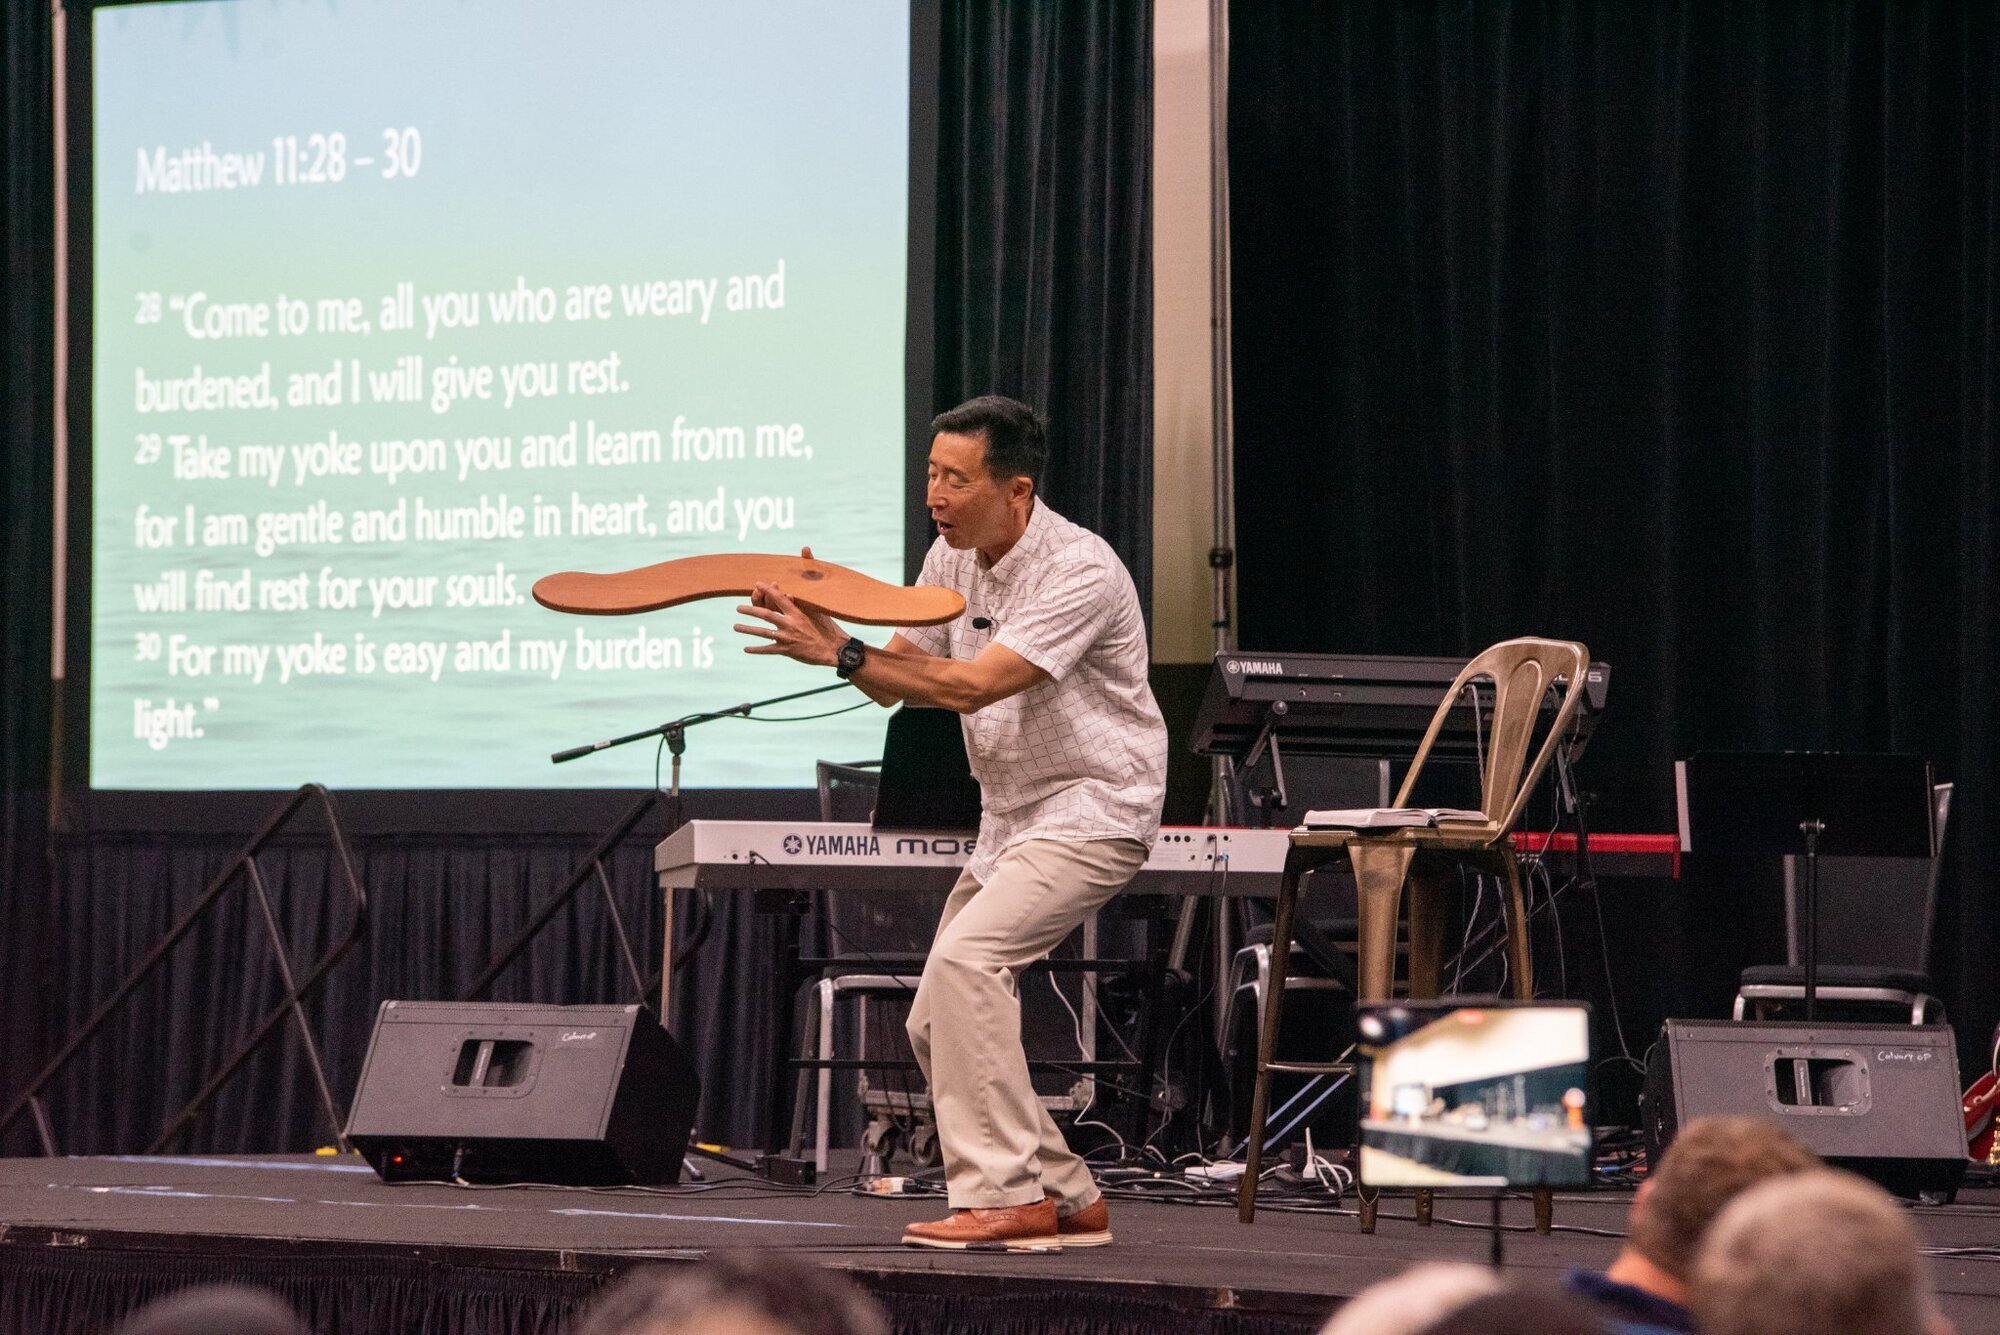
(847, 595)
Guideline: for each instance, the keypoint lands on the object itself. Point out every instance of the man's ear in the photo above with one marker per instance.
(1639, 1202)
(1021, 489)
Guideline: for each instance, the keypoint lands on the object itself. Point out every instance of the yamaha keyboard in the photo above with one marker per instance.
(820, 855)
(803, 856)
(1187, 860)
(1373, 706)
(796, 857)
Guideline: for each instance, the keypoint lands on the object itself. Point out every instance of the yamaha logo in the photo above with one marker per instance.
(1232, 666)
(793, 844)
(1263, 667)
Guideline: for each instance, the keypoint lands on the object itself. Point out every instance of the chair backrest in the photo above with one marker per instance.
(847, 790)
(1522, 672)
(1874, 911)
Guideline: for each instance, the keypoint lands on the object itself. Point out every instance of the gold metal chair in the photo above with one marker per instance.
(1522, 671)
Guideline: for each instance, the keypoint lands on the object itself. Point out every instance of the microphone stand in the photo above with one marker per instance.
(1811, 828)
(770, 1166)
(676, 734)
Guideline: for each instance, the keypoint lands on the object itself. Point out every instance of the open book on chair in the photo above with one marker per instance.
(1390, 818)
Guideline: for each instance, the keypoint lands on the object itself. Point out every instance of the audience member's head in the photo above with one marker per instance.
(214, 1309)
(1406, 1303)
(1820, 1251)
(1710, 1163)
(1521, 1312)
(739, 1294)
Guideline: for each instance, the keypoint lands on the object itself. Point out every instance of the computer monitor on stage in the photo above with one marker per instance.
(926, 781)
(1474, 1094)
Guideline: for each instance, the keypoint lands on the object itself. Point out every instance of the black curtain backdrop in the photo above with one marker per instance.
(440, 908)
(1044, 244)
(1666, 327)
(1043, 291)
(27, 508)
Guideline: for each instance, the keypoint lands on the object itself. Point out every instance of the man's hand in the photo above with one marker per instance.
(895, 672)
(799, 634)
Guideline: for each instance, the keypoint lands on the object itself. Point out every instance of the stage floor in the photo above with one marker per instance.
(256, 1215)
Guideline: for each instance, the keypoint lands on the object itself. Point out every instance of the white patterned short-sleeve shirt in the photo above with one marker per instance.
(1083, 755)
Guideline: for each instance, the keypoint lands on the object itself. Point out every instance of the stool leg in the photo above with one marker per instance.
(1267, 1040)
(1524, 988)
(1426, 967)
(1518, 963)
(823, 1126)
(1379, 870)
(1427, 890)
(802, 1082)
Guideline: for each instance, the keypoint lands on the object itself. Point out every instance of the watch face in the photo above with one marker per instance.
(852, 654)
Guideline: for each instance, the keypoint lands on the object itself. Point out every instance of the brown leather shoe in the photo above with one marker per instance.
(1014, 1228)
(1088, 1227)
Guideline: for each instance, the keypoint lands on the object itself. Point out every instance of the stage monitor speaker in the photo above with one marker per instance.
(491, 1092)
(1880, 1100)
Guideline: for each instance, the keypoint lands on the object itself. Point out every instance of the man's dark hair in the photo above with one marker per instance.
(776, 1291)
(1016, 445)
(1711, 1162)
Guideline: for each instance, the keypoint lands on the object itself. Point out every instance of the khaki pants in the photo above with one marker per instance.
(1000, 1146)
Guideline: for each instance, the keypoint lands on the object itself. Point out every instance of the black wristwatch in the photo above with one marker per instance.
(852, 655)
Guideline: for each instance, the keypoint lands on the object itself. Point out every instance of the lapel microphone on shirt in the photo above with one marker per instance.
(982, 623)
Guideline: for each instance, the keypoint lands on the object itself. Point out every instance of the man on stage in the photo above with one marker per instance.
(1048, 669)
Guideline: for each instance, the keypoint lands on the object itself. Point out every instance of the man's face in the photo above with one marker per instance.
(969, 506)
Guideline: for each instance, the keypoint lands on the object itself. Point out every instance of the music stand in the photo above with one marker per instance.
(1806, 803)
